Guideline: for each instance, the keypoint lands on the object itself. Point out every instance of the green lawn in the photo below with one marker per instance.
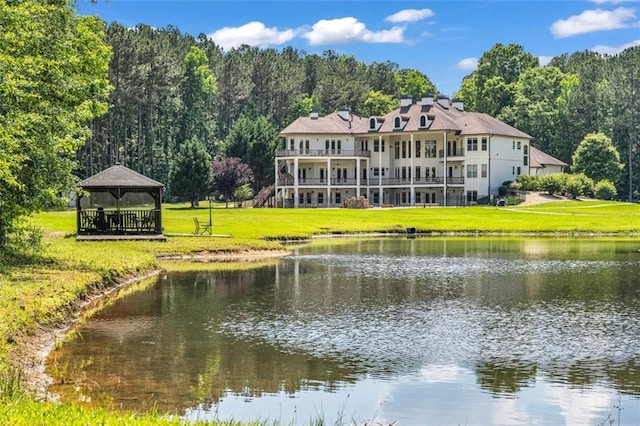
(43, 290)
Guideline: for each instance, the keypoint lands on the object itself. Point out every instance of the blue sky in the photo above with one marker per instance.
(443, 39)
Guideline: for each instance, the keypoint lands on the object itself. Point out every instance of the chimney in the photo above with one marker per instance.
(443, 101)
(458, 104)
(313, 114)
(406, 101)
(344, 112)
(427, 99)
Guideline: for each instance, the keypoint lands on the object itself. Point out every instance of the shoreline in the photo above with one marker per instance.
(31, 350)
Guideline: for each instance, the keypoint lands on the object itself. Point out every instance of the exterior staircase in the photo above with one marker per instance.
(263, 196)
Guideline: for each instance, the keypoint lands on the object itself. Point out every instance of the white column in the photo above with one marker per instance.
(358, 177)
(295, 182)
(412, 171)
(380, 190)
(328, 182)
(446, 170)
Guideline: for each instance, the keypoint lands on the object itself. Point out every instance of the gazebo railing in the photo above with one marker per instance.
(113, 221)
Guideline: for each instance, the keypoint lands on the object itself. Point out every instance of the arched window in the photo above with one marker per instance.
(397, 123)
(372, 123)
(423, 121)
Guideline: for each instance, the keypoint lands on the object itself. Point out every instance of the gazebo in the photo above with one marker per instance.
(119, 203)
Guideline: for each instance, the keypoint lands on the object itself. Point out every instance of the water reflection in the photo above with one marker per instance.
(391, 329)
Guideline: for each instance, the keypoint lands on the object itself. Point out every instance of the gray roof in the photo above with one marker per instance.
(542, 159)
(329, 124)
(451, 118)
(119, 176)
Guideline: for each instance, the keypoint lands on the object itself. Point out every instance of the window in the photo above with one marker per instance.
(306, 144)
(430, 149)
(372, 123)
(291, 144)
(376, 145)
(525, 155)
(519, 145)
(418, 198)
(513, 145)
(423, 121)
(513, 170)
(376, 198)
(320, 198)
(418, 149)
(472, 144)
(338, 198)
(418, 172)
(376, 171)
(321, 175)
(472, 171)
(308, 198)
(472, 196)
(397, 123)
(326, 144)
(397, 149)
(382, 145)
(404, 149)
(484, 144)
(483, 171)
(518, 169)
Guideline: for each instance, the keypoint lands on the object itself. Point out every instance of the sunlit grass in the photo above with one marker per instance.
(43, 290)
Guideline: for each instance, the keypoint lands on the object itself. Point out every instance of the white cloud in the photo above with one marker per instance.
(410, 15)
(614, 50)
(253, 34)
(593, 20)
(544, 60)
(349, 29)
(468, 64)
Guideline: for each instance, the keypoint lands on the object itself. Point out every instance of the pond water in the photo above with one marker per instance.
(416, 331)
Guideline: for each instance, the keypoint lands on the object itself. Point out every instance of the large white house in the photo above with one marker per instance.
(429, 152)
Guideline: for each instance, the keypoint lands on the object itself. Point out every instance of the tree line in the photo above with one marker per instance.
(563, 102)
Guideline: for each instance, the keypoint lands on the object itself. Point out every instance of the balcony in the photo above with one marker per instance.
(452, 153)
(287, 180)
(311, 153)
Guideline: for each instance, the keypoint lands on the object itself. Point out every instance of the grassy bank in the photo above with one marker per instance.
(43, 291)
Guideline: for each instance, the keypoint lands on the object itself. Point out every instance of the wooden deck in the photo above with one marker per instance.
(113, 237)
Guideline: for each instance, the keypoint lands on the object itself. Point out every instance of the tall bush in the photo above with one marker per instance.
(605, 190)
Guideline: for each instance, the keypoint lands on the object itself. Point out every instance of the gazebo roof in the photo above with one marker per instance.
(119, 176)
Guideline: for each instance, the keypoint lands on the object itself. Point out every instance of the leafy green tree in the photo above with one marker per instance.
(605, 190)
(242, 194)
(535, 109)
(53, 81)
(494, 79)
(198, 88)
(254, 141)
(378, 103)
(229, 175)
(597, 158)
(414, 83)
(190, 174)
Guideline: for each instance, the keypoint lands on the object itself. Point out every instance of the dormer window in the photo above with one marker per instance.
(397, 123)
(425, 121)
(373, 123)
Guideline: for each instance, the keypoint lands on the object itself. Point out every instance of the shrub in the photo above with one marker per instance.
(605, 190)
(528, 183)
(551, 183)
(586, 182)
(502, 191)
(573, 187)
